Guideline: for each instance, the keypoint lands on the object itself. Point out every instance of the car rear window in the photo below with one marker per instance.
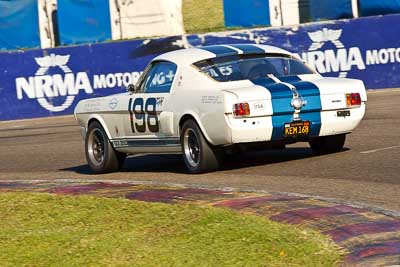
(251, 67)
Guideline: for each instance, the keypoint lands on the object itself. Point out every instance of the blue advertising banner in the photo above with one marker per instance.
(379, 7)
(246, 13)
(40, 83)
(328, 9)
(83, 21)
(19, 24)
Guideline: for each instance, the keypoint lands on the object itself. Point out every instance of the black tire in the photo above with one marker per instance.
(100, 155)
(328, 144)
(199, 156)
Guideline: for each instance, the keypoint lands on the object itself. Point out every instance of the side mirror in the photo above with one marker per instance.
(131, 88)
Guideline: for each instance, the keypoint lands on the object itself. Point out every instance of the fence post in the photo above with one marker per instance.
(47, 25)
(354, 6)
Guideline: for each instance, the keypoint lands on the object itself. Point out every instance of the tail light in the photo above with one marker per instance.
(241, 109)
(353, 100)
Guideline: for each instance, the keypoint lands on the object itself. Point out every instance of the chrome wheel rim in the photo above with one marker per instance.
(96, 145)
(191, 147)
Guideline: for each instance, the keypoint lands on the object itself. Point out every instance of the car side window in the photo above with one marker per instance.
(160, 78)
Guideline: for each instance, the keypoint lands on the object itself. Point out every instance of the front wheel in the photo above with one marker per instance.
(328, 144)
(198, 155)
(100, 155)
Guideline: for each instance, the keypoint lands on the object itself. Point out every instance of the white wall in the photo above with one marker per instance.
(145, 18)
(291, 12)
(275, 12)
(284, 12)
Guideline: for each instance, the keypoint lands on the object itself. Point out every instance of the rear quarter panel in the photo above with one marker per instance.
(202, 98)
(333, 97)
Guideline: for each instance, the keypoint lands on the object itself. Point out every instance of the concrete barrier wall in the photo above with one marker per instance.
(39, 83)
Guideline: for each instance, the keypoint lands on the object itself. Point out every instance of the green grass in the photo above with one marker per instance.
(48, 230)
(201, 16)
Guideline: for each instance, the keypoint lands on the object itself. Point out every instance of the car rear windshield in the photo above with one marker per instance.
(251, 67)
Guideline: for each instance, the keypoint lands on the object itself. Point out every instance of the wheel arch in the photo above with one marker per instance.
(192, 116)
(100, 120)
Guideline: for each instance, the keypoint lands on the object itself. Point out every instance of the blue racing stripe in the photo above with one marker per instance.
(220, 50)
(289, 79)
(312, 110)
(281, 98)
(249, 49)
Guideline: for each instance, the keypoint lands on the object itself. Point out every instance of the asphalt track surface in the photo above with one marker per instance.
(367, 171)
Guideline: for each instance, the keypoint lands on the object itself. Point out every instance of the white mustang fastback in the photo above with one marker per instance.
(212, 101)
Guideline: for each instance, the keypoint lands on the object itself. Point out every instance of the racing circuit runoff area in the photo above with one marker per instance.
(367, 171)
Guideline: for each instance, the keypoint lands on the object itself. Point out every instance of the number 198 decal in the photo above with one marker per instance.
(143, 115)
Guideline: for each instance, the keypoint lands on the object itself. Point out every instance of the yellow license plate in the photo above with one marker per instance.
(298, 128)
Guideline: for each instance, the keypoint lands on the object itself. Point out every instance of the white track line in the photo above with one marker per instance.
(379, 149)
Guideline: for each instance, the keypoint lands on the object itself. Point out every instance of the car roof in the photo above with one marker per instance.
(192, 55)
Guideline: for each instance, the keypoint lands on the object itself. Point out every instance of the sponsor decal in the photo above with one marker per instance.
(259, 106)
(113, 103)
(160, 101)
(55, 86)
(211, 99)
(119, 143)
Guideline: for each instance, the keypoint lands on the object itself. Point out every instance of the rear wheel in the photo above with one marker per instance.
(199, 156)
(328, 144)
(100, 155)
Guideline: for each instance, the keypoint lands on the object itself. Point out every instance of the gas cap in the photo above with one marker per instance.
(298, 103)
